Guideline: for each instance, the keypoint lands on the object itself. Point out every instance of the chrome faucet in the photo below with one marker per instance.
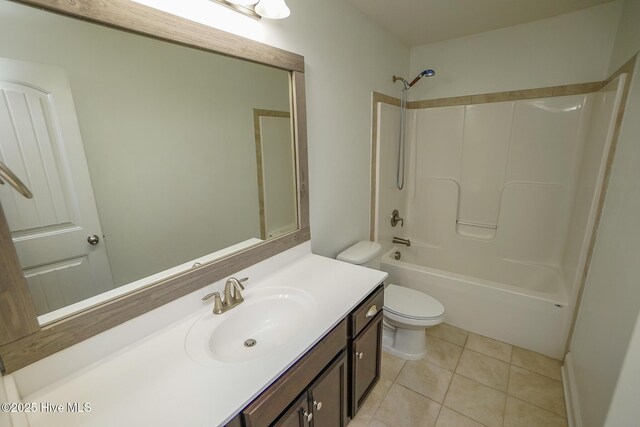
(402, 241)
(232, 295)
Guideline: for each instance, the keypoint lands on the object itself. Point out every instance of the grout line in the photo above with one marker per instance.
(382, 398)
(486, 355)
(506, 396)
(538, 407)
(537, 373)
(478, 382)
(439, 410)
(466, 416)
(421, 394)
(533, 404)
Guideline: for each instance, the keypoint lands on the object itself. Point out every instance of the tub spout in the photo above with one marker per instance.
(401, 241)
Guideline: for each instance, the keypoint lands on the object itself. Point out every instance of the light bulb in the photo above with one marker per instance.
(243, 2)
(272, 9)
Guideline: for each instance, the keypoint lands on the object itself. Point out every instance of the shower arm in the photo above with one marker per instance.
(404, 82)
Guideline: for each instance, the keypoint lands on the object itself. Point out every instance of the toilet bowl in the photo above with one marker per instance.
(407, 312)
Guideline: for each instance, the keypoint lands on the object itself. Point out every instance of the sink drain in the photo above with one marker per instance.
(250, 342)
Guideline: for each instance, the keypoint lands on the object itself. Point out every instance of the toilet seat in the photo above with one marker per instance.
(412, 307)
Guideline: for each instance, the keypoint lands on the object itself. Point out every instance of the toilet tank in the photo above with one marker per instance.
(363, 253)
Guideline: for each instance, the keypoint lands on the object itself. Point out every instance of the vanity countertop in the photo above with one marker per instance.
(154, 382)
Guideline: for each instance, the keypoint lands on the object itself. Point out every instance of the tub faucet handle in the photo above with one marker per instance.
(395, 218)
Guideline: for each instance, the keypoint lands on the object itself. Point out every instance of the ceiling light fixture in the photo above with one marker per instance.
(270, 9)
(243, 2)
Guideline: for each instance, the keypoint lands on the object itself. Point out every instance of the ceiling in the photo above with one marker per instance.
(417, 22)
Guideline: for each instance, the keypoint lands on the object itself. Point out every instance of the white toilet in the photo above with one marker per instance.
(407, 312)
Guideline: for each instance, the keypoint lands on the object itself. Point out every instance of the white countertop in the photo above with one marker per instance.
(153, 382)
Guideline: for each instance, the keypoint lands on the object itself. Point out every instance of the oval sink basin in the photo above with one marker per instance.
(266, 320)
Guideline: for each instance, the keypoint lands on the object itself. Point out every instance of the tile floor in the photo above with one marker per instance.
(466, 380)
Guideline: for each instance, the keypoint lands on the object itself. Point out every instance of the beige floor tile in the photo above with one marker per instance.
(372, 403)
(358, 422)
(484, 369)
(425, 378)
(489, 346)
(476, 401)
(376, 423)
(537, 389)
(537, 362)
(449, 333)
(449, 418)
(522, 414)
(443, 353)
(391, 366)
(406, 408)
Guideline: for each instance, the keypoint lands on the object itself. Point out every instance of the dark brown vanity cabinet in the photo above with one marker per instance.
(365, 352)
(297, 415)
(324, 403)
(331, 381)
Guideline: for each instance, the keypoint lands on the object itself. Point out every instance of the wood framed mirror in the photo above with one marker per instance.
(24, 336)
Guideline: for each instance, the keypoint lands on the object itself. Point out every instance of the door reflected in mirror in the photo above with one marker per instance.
(141, 155)
(275, 172)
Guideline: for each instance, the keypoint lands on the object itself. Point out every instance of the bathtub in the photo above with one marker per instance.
(518, 303)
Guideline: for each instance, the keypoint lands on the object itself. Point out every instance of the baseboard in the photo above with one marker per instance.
(570, 393)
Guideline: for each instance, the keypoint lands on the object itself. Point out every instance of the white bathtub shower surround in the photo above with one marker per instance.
(499, 174)
(482, 300)
(503, 195)
(606, 103)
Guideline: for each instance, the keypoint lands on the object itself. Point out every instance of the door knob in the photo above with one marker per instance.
(93, 239)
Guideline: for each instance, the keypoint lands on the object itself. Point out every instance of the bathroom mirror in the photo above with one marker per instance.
(140, 147)
(165, 133)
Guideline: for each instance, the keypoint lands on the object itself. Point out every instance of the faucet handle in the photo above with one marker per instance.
(208, 296)
(217, 301)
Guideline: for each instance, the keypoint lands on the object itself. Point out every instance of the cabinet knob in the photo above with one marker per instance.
(359, 355)
(372, 311)
(308, 416)
(317, 405)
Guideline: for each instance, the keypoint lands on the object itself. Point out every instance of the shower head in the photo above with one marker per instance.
(428, 73)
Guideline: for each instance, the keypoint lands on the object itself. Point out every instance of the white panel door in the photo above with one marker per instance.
(40, 141)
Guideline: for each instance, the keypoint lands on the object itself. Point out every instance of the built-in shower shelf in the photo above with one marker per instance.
(476, 230)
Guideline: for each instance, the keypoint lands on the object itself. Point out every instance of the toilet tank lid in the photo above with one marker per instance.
(360, 253)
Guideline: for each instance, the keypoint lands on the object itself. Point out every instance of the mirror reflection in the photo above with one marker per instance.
(143, 157)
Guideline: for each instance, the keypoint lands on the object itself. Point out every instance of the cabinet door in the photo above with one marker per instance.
(298, 414)
(328, 395)
(366, 358)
